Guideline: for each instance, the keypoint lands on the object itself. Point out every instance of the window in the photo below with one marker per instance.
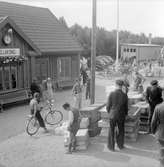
(64, 68)
(124, 49)
(127, 49)
(1, 84)
(8, 77)
(13, 77)
(134, 50)
(131, 50)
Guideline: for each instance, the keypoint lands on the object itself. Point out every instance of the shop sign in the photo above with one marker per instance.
(9, 52)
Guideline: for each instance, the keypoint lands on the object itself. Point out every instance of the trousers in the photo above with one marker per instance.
(40, 119)
(114, 134)
(161, 152)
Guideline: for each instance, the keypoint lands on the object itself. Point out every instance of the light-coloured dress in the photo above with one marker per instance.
(50, 91)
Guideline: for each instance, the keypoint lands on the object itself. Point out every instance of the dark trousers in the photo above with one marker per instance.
(87, 94)
(116, 134)
(161, 152)
(151, 112)
(40, 119)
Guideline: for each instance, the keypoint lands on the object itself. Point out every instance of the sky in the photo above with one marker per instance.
(136, 16)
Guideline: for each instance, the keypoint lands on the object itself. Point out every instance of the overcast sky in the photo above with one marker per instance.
(137, 16)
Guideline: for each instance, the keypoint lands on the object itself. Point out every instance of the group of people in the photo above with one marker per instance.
(46, 89)
(117, 107)
(83, 82)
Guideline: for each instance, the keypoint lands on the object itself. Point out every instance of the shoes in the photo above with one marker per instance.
(111, 149)
(69, 152)
(74, 149)
(121, 147)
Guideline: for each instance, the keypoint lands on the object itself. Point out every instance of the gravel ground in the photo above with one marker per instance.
(17, 149)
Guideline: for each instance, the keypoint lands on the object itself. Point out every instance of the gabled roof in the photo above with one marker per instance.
(42, 27)
(6, 20)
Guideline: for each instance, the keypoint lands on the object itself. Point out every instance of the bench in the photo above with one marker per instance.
(12, 97)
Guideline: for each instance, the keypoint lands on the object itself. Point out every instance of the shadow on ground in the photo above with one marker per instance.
(145, 147)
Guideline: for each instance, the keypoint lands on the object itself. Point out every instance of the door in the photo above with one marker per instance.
(64, 68)
(42, 69)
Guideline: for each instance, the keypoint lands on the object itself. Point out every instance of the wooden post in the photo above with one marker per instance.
(117, 40)
(93, 52)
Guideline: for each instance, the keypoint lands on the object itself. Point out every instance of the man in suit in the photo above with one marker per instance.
(117, 107)
(157, 126)
(153, 97)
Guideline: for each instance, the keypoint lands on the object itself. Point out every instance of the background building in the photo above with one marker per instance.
(34, 44)
(142, 52)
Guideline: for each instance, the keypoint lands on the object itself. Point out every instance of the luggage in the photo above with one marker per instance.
(82, 139)
(66, 138)
(103, 123)
(84, 123)
(61, 129)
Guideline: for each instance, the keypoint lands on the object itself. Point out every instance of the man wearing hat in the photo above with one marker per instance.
(153, 97)
(117, 107)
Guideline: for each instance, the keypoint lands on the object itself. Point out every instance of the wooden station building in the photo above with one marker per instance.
(34, 44)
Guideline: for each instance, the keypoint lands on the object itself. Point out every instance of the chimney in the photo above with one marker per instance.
(150, 35)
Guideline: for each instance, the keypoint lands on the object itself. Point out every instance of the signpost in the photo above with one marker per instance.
(9, 52)
(93, 51)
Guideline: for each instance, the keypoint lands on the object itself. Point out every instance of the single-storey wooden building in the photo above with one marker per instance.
(34, 44)
(142, 52)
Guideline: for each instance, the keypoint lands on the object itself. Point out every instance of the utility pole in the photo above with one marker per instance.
(93, 51)
(117, 40)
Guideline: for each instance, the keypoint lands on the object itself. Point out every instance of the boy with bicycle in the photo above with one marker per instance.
(36, 109)
(73, 126)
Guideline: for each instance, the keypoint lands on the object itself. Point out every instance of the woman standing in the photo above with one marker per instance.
(50, 89)
(77, 93)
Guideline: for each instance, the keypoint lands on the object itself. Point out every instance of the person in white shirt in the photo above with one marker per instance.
(73, 126)
(36, 109)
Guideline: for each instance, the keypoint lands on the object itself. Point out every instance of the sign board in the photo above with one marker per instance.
(12, 52)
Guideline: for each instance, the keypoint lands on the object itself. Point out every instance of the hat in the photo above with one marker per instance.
(119, 82)
(154, 82)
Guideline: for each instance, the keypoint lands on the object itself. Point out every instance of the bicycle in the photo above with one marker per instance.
(52, 117)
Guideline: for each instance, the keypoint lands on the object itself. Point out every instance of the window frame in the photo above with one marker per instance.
(62, 70)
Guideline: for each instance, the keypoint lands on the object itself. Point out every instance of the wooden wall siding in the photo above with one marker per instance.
(53, 67)
(42, 68)
(75, 67)
(24, 70)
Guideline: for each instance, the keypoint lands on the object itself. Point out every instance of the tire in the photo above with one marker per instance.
(54, 117)
(32, 126)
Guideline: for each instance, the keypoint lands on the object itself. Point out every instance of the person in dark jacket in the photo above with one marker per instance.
(117, 107)
(153, 97)
(157, 126)
(35, 87)
(126, 83)
(73, 125)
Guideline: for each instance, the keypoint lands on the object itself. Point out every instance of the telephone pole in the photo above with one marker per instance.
(117, 40)
(93, 51)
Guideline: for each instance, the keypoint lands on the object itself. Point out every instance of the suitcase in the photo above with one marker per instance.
(84, 123)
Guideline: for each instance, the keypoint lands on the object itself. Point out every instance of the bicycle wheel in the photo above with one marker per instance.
(32, 126)
(54, 117)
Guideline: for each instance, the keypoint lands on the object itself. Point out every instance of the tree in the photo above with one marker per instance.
(106, 40)
(62, 21)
